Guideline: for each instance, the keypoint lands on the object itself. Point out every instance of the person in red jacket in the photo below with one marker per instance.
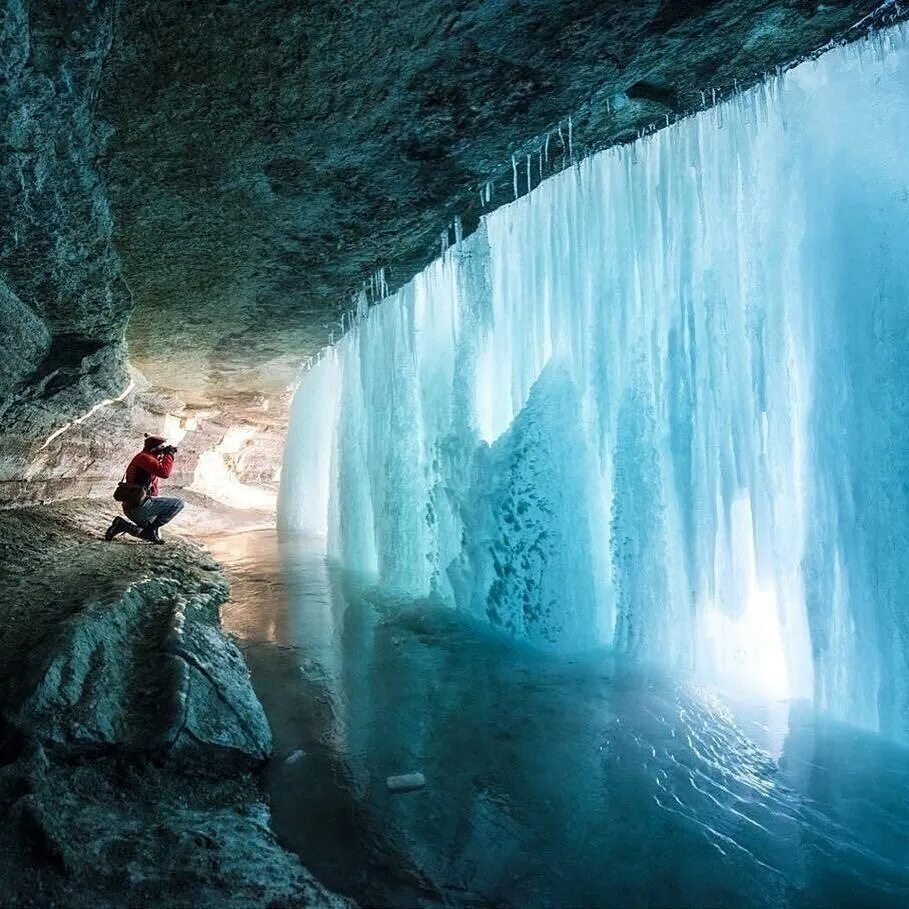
(148, 511)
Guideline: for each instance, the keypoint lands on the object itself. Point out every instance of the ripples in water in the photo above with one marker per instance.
(552, 782)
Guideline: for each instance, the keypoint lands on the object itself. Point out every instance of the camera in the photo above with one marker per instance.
(166, 449)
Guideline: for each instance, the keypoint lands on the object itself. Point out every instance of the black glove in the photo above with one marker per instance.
(168, 449)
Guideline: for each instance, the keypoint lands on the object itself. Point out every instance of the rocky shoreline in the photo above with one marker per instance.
(130, 735)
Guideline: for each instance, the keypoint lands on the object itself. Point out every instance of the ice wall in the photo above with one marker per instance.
(662, 402)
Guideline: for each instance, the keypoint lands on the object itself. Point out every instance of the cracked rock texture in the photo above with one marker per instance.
(267, 156)
(145, 670)
(128, 727)
(63, 305)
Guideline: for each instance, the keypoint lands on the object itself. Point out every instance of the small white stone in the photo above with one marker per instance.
(405, 782)
(295, 756)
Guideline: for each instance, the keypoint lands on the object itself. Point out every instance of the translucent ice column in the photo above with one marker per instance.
(660, 403)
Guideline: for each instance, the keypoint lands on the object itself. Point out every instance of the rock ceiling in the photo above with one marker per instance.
(198, 188)
(268, 156)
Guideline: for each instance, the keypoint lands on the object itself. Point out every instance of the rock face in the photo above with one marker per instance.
(128, 726)
(268, 157)
(71, 409)
(63, 306)
(146, 671)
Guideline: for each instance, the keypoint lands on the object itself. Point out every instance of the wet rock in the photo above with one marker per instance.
(146, 671)
(93, 683)
(128, 730)
(37, 827)
(63, 306)
(221, 723)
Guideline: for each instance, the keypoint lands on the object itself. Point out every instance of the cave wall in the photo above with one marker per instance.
(63, 304)
(72, 408)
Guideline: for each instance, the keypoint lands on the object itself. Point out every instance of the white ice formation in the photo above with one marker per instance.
(660, 403)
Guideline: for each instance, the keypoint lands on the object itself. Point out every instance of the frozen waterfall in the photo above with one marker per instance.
(662, 402)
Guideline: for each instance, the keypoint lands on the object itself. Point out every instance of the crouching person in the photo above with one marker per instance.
(138, 493)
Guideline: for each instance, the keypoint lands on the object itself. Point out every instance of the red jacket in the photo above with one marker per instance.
(145, 468)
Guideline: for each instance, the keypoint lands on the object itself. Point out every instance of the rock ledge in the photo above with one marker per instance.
(128, 729)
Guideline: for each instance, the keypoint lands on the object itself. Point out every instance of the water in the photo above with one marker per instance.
(552, 780)
(660, 403)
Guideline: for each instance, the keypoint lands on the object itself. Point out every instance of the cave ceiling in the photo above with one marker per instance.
(266, 157)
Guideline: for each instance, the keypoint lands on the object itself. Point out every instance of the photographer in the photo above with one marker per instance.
(138, 493)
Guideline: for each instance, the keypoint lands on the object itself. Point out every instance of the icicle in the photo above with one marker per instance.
(443, 238)
(528, 173)
(541, 164)
(546, 148)
(514, 168)
(773, 442)
(570, 143)
(458, 230)
(488, 193)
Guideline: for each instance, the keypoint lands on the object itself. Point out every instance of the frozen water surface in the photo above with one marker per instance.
(552, 780)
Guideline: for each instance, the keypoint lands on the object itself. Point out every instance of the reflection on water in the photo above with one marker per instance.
(551, 782)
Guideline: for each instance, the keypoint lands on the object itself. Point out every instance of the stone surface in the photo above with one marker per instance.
(267, 157)
(219, 721)
(127, 727)
(146, 671)
(86, 456)
(405, 782)
(63, 305)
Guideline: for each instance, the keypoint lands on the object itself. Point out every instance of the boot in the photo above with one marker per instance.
(150, 533)
(121, 525)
